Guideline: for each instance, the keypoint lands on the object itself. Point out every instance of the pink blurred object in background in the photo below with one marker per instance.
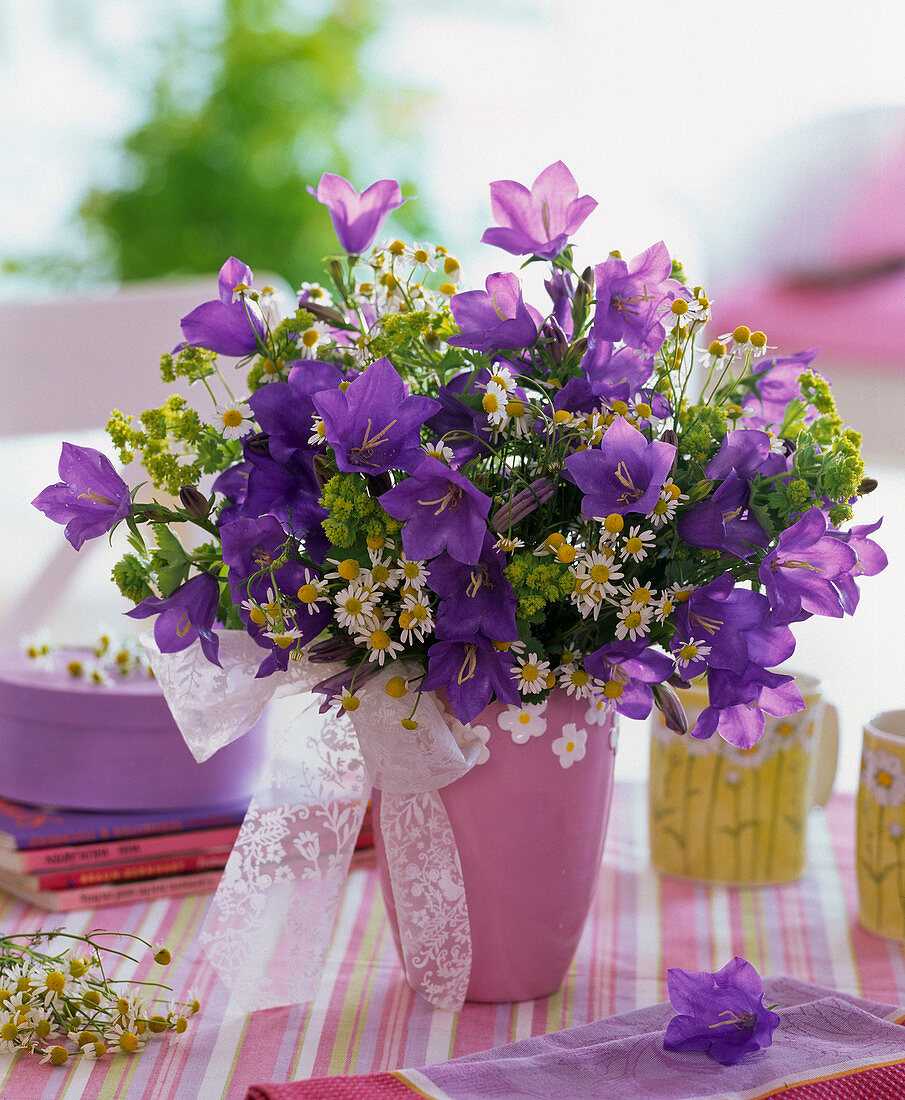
(823, 260)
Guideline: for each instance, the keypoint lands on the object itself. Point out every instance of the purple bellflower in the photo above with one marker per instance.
(231, 324)
(775, 388)
(284, 409)
(90, 499)
(562, 292)
(609, 369)
(721, 1014)
(187, 614)
(372, 425)
(737, 705)
(722, 522)
(631, 298)
(798, 574)
(475, 599)
(871, 561)
(357, 218)
(442, 510)
(624, 474)
(471, 671)
(496, 318)
(745, 452)
(721, 614)
(538, 222)
(628, 669)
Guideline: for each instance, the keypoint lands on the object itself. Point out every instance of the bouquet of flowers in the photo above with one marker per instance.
(498, 498)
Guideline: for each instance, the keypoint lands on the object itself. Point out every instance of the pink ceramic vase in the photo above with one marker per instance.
(529, 821)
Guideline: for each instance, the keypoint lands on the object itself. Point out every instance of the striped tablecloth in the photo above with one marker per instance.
(366, 1018)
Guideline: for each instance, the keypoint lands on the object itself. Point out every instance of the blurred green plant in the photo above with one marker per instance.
(243, 117)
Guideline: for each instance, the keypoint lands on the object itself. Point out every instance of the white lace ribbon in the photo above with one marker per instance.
(270, 924)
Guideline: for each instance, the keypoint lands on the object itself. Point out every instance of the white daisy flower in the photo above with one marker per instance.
(312, 592)
(690, 653)
(318, 431)
(576, 681)
(315, 293)
(347, 569)
(588, 599)
(232, 419)
(314, 338)
(597, 571)
(354, 607)
(412, 573)
(380, 575)
(664, 510)
(530, 674)
(452, 270)
(378, 643)
(663, 608)
(508, 544)
(638, 595)
(420, 255)
(494, 405)
(524, 722)
(502, 378)
(571, 745)
(633, 621)
(717, 355)
(679, 593)
(637, 544)
(283, 636)
(416, 617)
(123, 1038)
(439, 451)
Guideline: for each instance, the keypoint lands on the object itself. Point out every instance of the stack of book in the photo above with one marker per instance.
(68, 859)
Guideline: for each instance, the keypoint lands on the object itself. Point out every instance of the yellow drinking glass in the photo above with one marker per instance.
(881, 826)
(739, 816)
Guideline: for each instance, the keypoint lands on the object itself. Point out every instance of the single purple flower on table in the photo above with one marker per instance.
(721, 1014)
(471, 671)
(187, 614)
(373, 426)
(738, 704)
(441, 510)
(721, 614)
(776, 387)
(627, 670)
(631, 298)
(625, 474)
(798, 574)
(496, 318)
(722, 521)
(475, 599)
(357, 218)
(538, 222)
(284, 409)
(231, 324)
(91, 497)
(871, 561)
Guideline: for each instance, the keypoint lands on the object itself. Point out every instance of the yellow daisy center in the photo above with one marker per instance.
(348, 569)
(612, 689)
(308, 593)
(530, 673)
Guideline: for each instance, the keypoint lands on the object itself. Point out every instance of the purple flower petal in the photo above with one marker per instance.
(357, 218)
(91, 498)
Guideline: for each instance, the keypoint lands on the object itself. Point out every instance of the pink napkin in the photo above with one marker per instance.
(828, 1045)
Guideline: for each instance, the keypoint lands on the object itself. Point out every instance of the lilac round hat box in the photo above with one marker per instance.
(77, 745)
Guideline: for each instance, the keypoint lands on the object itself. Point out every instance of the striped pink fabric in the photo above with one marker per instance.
(365, 1018)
